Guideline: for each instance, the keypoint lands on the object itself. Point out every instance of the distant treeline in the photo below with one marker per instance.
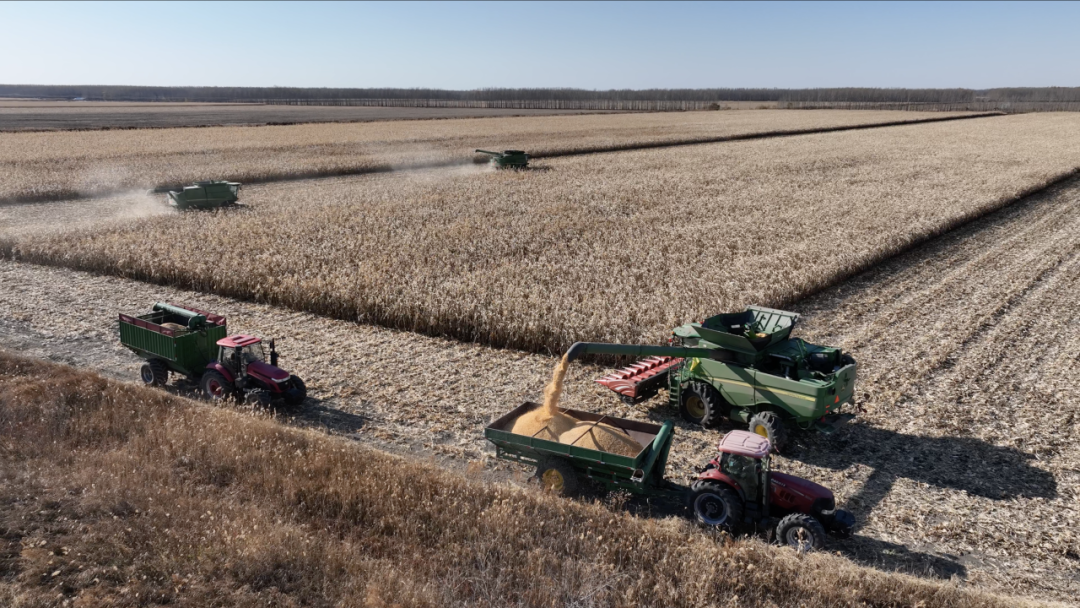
(265, 94)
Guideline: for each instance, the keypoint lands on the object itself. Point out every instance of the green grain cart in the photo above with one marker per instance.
(743, 366)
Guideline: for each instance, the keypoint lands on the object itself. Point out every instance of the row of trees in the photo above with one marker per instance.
(263, 94)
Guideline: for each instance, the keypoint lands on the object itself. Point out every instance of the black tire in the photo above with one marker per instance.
(801, 532)
(716, 504)
(558, 477)
(154, 373)
(771, 426)
(701, 404)
(260, 398)
(214, 386)
(297, 391)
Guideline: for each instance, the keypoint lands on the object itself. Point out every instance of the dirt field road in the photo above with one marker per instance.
(965, 462)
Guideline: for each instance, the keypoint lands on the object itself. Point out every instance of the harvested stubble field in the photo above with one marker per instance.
(124, 496)
(53, 165)
(615, 247)
(963, 463)
(23, 115)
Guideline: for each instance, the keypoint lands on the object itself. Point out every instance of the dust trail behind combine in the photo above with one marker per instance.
(18, 221)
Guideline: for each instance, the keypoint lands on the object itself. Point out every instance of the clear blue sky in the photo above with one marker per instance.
(586, 45)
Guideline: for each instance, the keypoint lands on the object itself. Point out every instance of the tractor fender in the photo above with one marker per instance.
(221, 369)
(717, 476)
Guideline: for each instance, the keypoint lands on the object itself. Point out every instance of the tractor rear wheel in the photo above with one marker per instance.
(298, 392)
(215, 386)
(770, 426)
(801, 532)
(701, 404)
(557, 477)
(716, 504)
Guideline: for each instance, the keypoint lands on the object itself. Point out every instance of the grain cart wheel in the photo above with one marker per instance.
(297, 393)
(557, 477)
(716, 504)
(801, 532)
(215, 386)
(770, 426)
(701, 404)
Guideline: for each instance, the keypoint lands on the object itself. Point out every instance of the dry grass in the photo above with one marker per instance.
(122, 496)
(615, 247)
(45, 166)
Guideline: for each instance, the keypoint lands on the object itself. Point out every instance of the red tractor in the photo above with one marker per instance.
(241, 371)
(737, 489)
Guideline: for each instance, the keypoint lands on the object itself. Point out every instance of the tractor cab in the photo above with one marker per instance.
(744, 457)
(244, 355)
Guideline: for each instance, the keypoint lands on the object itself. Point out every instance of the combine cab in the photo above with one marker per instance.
(508, 159)
(742, 366)
(205, 195)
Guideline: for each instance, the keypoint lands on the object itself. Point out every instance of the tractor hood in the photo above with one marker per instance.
(798, 485)
(265, 370)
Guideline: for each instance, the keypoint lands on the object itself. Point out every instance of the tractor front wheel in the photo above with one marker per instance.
(770, 426)
(701, 404)
(260, 398)
(557, 477)
(298, 392)
(716, 504)
(215, 386)
(802, 532)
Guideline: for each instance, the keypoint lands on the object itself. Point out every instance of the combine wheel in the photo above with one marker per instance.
(214, 386)
(557, 477)
(154, 373)
(298, 392)
(701, 404)
(771, 426)
(716, 504)
(801, 532)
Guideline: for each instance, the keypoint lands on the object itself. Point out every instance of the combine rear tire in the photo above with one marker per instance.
(557, 477)
(215, 386)
(801, 532)
(298, 392)
(716, 505)
(770, 426)
(154, 373)
(701, 404)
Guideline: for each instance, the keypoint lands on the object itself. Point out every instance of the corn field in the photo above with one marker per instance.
(60, 164)
(616, 247)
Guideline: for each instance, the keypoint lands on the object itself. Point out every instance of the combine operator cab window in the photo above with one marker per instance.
(745, 470)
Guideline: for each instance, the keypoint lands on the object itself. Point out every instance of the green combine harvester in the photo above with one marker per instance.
(507, 159)
(205, 195)
(742, 366)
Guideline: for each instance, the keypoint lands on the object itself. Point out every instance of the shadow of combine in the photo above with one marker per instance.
(965, 464)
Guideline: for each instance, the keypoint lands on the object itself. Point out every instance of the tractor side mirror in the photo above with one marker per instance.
(273, 354)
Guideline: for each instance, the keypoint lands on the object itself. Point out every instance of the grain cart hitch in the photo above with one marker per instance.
(195, 344)
(742, 366)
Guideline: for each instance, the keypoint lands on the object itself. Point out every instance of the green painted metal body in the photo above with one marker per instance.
(205, 195)
(184, 351)
(641, 474)
(755, 364)
(509, 159)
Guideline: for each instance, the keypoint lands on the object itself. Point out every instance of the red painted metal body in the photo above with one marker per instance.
(238, 341)
(642, 379)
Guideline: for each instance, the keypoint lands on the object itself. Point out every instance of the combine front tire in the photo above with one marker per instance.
(297, 393)
(701, 404)
(154, 373)
(770, 426)
(801, 532)
(716, 505)
(214, 386)
(557, 477)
